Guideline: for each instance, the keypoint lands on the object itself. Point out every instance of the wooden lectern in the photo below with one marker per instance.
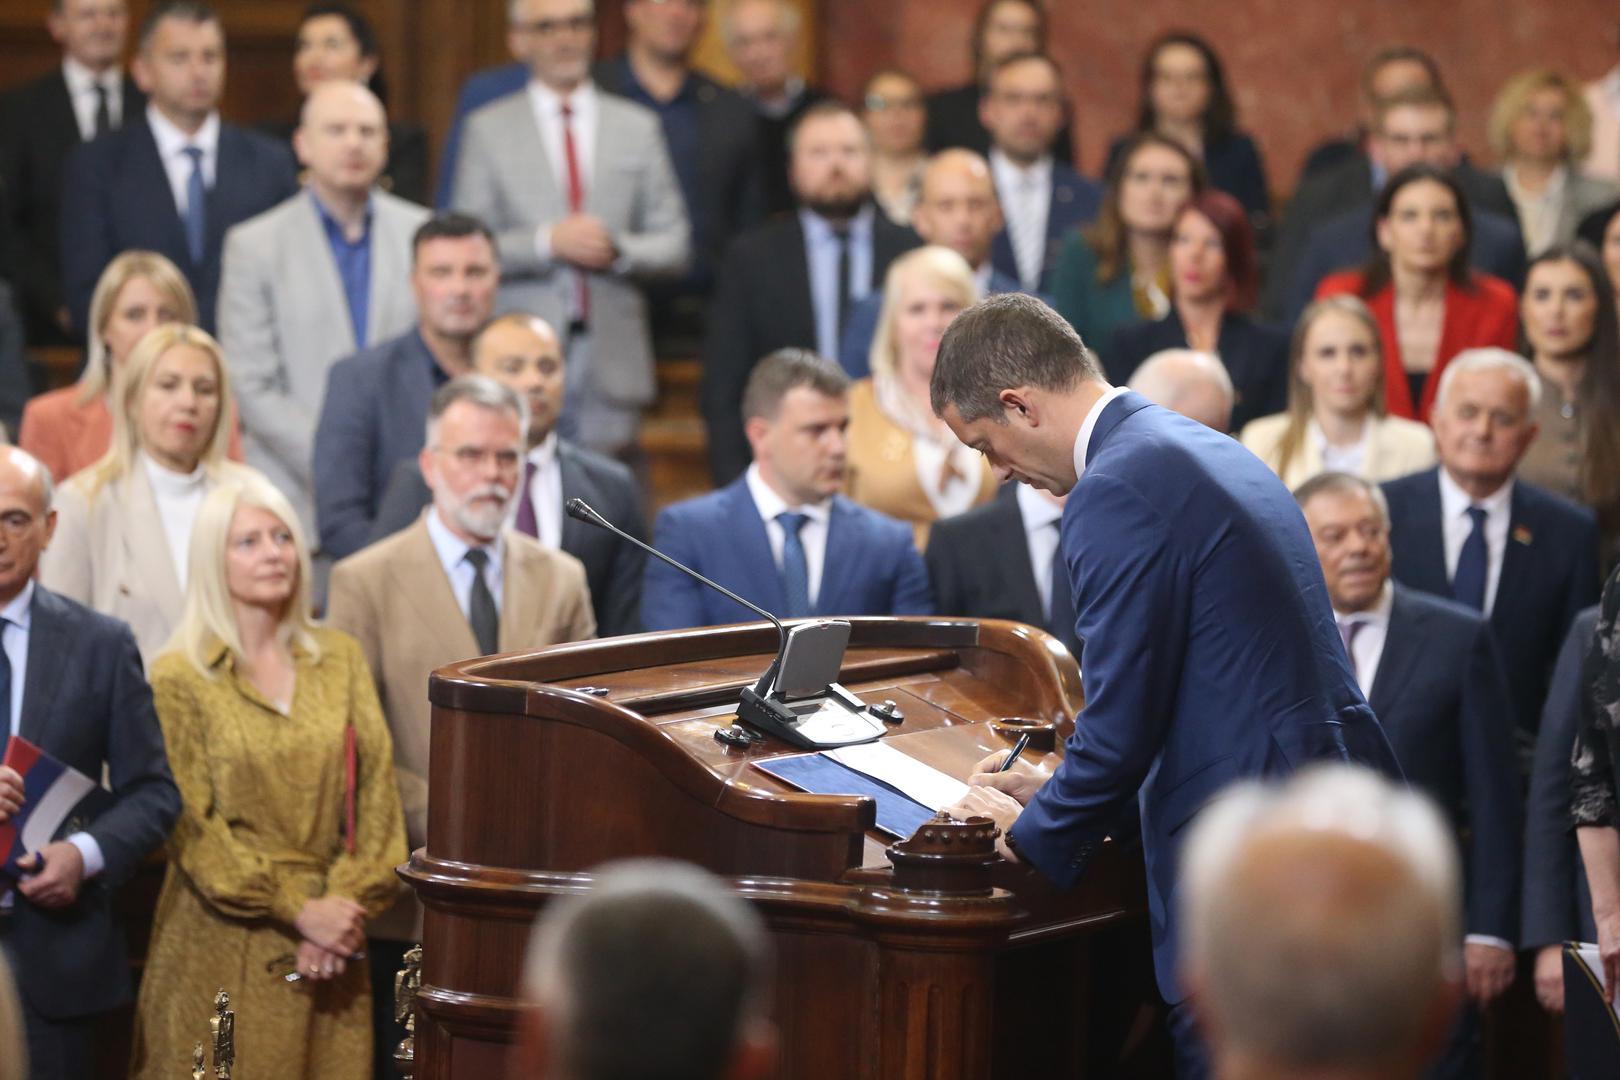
(930, 958)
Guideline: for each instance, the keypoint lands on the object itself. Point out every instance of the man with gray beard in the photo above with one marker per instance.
(458, 583)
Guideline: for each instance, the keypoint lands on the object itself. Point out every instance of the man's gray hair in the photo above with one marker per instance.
(1167, 376)
(1321, 918)
(658, 971)
(1491, 359)
(514, 10)
(1343, 483)
(480, 390)
(1002, 343)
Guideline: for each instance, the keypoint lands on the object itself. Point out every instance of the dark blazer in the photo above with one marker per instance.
(405, 173)
(38, 131)
(372, 418)
(1255, 355)
(1233, 165)
(1549, 573)
(762, 303)
(855, 346)
(773, 149)
(953, 120)
(116, 196)
(612, 567)
(1075, 203)
(1557, 902)
(1211, 651)
(979, 565)
(871, 568)
(87, 704)
(1442, 699)
(481, 88)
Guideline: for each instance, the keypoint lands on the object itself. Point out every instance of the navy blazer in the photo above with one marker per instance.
(86, 702)
(1255, 355)
(372, 418)
(860, 327)
(871, 568)
(1443, 701)
(1211, 651)
(1233, 165)
(116, 197)
(481, 88)
(612, 566)
(1075, 203)
(1549, 573)
(1557, 902)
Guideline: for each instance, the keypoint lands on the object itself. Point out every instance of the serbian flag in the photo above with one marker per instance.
(52, 791)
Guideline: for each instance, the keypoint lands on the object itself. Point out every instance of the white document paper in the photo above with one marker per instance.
(1593, 963)
(880, 761)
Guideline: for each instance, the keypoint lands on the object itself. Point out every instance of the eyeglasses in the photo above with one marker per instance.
(574, 24)
(476, 457)
(879, 103)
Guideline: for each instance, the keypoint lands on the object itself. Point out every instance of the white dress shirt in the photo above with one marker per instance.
(452, 551)
(1538, 214)
(1082, 442)
(179, 496)
(1026, 201)
(1368, 647)
(1454, 520)
(547, 106)
(812, 534)
(1042, 518)
(545, 493)
(1346, 459)
(81, 87)
(821, 260)
(172, 144)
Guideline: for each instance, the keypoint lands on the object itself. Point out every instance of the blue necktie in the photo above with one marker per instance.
(196, 207)
(795, 569)
(1468, 583)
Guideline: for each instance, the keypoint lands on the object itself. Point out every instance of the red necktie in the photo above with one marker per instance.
(576, 203)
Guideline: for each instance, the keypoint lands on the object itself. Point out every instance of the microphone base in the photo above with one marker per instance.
(836, 718)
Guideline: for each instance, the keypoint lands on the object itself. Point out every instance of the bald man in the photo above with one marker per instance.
(1192, 383)
(956, 208)
(71, 683)
(314, 279)
(523, 352)
(1321, 929)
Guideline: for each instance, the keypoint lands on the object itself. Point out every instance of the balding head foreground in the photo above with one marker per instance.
(957, 205)
(342, 139)
(1192, 383)
(27, 521)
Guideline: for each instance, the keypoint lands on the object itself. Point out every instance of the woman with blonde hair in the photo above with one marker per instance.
(70, 428)
(290, 824)
(124, 523)
(1336, 419)
(1540, 129)
(902, 459)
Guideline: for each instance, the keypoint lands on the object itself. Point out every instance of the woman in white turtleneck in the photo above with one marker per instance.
(123, 525)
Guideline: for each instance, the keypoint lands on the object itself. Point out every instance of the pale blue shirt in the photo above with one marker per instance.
(821, 254)
(452, 552)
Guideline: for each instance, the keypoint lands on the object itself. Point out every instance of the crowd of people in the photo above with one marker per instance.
(325, 431)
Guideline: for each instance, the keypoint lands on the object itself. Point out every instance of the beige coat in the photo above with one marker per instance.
(395, 598)
(1395, 447)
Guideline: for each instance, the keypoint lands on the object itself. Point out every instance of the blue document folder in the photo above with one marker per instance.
(898, 814)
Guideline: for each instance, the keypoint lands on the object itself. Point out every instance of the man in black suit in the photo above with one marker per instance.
(523, 352)
(762, 38)
(1388, 72)
(1414, 125)
(980, 572)
(1003, 28)
(792, 281)
(40, 123)
(174, 178)
(713, 138)
(1430, 671)
(1470, 531)
(71, 684)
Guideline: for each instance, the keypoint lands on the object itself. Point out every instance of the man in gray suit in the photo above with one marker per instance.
(578, 188)
(313, 279)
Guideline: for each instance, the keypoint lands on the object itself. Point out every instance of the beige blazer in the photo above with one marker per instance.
(1395, 447)
(395, 598)
(112, 554)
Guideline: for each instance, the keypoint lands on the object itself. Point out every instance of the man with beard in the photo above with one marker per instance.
(792, 281)
(455, 584)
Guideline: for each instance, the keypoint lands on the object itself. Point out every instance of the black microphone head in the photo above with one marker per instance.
(579, 508)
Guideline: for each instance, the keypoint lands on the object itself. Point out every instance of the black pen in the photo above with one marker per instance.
(1018, 748)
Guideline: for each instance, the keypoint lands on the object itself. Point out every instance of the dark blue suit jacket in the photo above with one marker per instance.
(116, 197)
(1233, 165)
(1549, 573)
(872, 566)
(1557, 902)
(372, 418)
(1255, 355)
(481, 88)
(1211, 651)
(1442, 699)
(86, 702)
(1075, 202)
(855, 348)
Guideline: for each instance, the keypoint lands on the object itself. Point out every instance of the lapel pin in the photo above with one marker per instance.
(1522, 535)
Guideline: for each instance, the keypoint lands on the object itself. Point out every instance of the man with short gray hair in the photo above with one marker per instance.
(1192, 383)
(1194, 581)
(660, 949)
(762, 39)
(1320, 921)
(1469, 530)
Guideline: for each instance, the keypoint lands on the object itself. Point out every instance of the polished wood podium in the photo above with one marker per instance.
(931, 958)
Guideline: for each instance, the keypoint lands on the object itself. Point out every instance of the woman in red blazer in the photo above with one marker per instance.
(1429, 304)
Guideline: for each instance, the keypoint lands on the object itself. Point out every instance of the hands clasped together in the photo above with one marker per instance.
(334, 932)
(56, 871)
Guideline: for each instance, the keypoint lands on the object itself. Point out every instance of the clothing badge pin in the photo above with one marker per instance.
(1522, 535)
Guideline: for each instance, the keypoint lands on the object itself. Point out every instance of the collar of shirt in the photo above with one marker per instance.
(1036, 509)
(172, 142)
(81, 85)
(1009, 176)
(818, 230)
(769, 503)
(334, 227)
(1552, 193)
(1082, 442)
(544, 452)
(168, 483)
(792, 91)
(452, 551)
(637, 92)
(581, 100)
(1377, 615)
(20, 612)
(1454, 501)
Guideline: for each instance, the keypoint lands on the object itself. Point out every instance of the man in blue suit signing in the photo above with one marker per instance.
(1211, 650)
(780, 534)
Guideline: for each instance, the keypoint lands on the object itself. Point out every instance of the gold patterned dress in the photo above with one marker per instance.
(260, 832)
